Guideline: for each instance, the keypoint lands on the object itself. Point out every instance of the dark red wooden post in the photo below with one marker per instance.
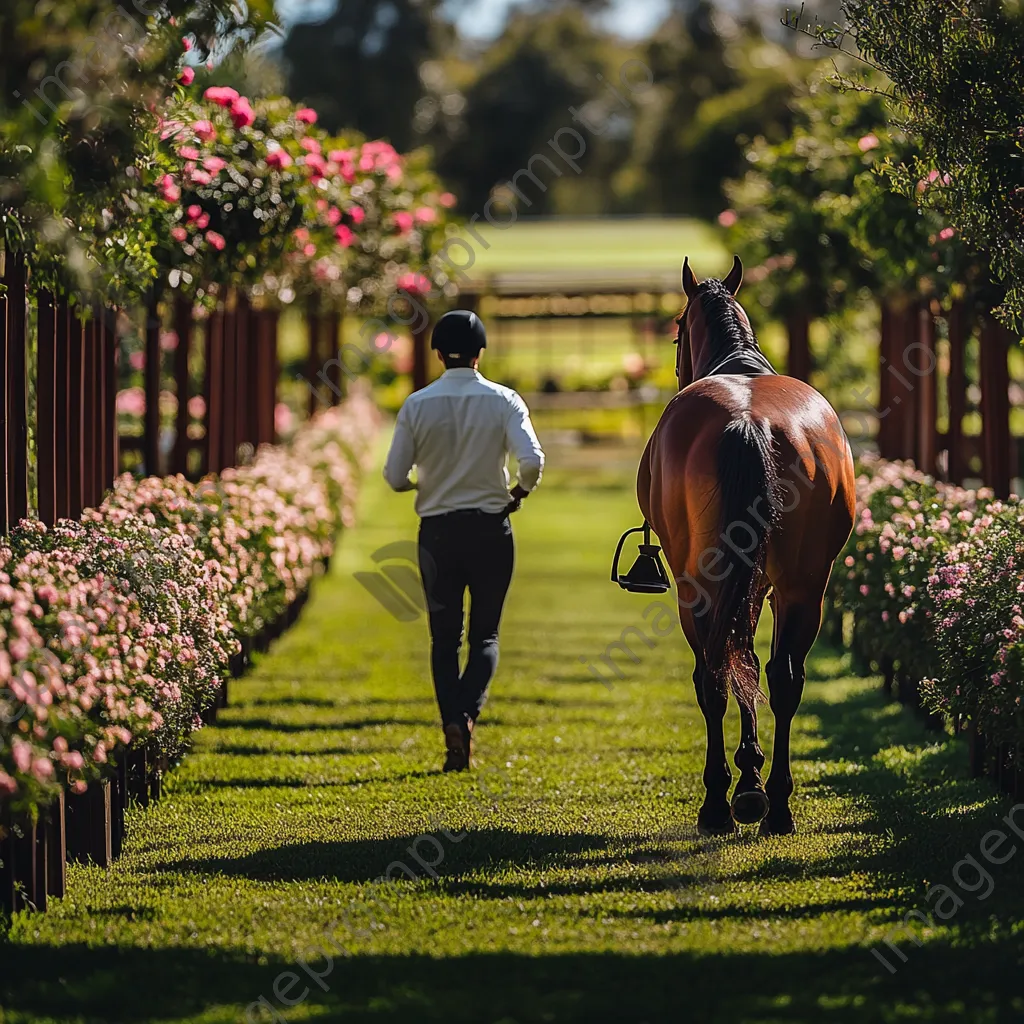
(6, 275)
(112, 441)
(266, 376)
(254, 345)
(885, 381)
(903, 394)
(335, 326)
(956, 391)
(926, 386)
(46, 408)
(798, 362)
(229, 420)
(151, 429)
(88, 823)
(104, 352)
(995, 406)
(275, 374)
(88, 413)
(96, 379)
(76, 415)
(92, 418)
(314, 360)
(56, 844)
(17, 390)
(183, 329)
(214, 376)
(243, 369)
(62, 359)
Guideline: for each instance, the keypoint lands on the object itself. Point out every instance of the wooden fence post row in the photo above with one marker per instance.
(76, 414)
(240, 384)
(908, 392)
(14, 414)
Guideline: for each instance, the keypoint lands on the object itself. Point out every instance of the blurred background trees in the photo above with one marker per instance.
(955, 74)
(723, 73)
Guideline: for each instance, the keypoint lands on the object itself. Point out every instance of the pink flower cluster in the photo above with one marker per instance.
(119, 628)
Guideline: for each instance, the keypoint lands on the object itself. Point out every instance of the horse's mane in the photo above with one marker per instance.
(726, 331)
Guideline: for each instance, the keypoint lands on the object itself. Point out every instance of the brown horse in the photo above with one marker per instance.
(748, 481)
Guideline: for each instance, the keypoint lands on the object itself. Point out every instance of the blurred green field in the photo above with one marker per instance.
(652, 246)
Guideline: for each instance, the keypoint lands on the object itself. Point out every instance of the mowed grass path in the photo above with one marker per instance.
(580, 891)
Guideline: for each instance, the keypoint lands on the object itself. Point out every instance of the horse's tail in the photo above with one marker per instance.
(747, 478)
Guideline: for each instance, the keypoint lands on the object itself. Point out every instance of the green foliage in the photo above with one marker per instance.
(78, 83)
(716, 82)
(957, 74)
(819, 220)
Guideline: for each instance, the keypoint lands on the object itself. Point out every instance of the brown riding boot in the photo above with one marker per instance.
(457, 739)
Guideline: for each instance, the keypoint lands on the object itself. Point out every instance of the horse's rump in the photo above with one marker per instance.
(738, 482)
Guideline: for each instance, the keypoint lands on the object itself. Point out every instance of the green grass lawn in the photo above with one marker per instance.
(569, 884)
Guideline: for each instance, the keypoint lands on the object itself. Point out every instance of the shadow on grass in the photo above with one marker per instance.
(91, 985)
(197, 785)
(921, 815)
(269, 725)
(364, 860)
(914, 786)
(256, 750)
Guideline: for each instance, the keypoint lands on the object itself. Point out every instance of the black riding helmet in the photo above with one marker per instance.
(459, 334)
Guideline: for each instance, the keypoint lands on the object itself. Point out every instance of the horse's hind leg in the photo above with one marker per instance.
(714, 817)
(749, 801)
(796, 627)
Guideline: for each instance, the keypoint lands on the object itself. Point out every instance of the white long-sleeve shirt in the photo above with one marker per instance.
(458, 432)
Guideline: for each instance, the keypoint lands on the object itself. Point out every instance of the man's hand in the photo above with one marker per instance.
(517, 494)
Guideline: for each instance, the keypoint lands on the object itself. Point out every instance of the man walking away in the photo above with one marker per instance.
(458, 433)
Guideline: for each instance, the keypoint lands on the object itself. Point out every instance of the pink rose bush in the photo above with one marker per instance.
(933, 577)
(257, 196)
(120, 628)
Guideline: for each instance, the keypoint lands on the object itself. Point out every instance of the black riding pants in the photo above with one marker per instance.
(474, 551)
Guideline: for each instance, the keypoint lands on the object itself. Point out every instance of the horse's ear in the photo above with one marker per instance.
(735, 278)
(690, 283)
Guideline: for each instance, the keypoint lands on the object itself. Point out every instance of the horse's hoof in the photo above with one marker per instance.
(750, 806)
(778, 825)
(709, 827)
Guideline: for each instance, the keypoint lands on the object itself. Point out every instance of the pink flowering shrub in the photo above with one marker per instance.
(74, 680)
(259, 196)
(120, 627)
(933, 577)
(370, 216)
